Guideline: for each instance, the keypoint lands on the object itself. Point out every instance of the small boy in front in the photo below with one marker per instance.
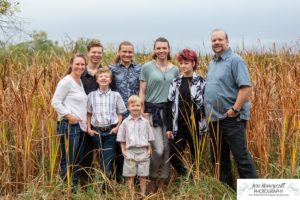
(105, 108)
(135, 135)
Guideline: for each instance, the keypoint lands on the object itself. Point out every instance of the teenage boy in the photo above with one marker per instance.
(88, 78)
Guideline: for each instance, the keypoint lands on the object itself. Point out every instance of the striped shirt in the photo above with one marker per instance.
(135, 132)
(105, 107)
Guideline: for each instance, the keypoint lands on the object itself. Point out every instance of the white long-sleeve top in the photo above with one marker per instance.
(70, 98)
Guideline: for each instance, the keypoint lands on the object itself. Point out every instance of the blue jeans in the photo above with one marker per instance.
(229, 135)
(69, 142)
(86, 151)
(106, 146)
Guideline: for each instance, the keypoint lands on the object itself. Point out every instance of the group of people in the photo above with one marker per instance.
(141, 117)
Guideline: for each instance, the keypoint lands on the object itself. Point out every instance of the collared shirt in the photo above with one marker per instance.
(226, 75)
(89, 81)
(135, 132)
(105, 107)
(125, 80)
(197, 85)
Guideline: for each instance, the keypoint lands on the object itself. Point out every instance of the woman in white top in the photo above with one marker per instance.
(69, 101)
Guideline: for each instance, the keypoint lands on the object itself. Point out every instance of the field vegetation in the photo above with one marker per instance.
(29, 146)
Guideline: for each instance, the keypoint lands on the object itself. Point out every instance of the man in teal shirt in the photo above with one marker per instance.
(227, 105)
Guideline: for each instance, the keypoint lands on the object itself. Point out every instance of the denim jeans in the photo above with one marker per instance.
(229, 135)
(86, 151)
(119, 161)
(105, 143)
(69, 142)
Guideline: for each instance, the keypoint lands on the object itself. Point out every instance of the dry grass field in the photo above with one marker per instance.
(29, 147)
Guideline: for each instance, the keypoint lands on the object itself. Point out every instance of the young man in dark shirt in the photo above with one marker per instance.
(88, 78)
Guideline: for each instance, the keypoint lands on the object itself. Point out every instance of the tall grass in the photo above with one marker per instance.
(29, 147)
(273, 130)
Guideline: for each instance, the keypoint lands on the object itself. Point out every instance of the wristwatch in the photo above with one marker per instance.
(235, 110)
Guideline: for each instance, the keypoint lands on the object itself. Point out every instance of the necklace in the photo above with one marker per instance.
(160, 68)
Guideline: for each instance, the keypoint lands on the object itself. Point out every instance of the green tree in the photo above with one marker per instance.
(38, 45)
(9, 21)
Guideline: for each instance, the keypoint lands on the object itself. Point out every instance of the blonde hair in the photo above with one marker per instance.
(104, 70)
(134, 99)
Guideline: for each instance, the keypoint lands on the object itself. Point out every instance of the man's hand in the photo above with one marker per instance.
(92, 132)
(231, 113)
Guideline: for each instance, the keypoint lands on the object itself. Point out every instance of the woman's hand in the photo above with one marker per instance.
(72, 119)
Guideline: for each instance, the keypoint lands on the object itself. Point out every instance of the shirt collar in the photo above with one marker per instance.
(193, 76)
(84, 73)
(130, 117)
(87, 72)
(90, 72)
(104, 93)
(224, 55)
(132, 64)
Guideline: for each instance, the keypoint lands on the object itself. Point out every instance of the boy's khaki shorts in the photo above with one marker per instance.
(136, 162)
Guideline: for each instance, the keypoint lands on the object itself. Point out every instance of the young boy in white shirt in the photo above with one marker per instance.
(105, 109)
(135, 135)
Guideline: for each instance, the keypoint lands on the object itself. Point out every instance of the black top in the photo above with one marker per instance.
(89, 82)
(185, 103)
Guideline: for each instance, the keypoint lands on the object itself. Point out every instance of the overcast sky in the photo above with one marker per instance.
(186, 23)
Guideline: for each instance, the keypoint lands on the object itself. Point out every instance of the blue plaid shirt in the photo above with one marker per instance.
(126, 80)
